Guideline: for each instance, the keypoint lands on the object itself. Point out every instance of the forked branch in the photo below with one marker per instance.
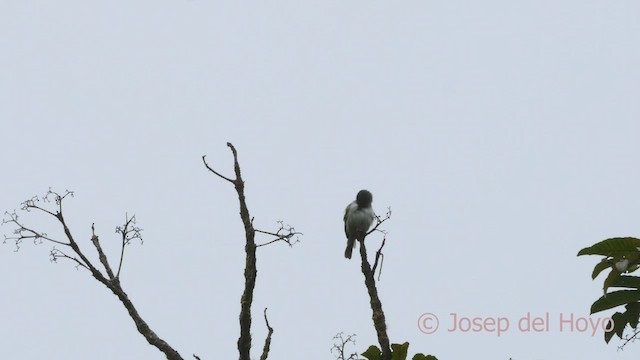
(339, 348)
(128, 232)
(285, 233)
(250, 271)
(111, 281)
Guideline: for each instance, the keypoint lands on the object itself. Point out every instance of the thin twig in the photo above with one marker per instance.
(379, 255)
(380, 220)
(628, 339)
(339, 347)
(56, 254)
(289, 233)
(24, 232)
(128, 232)
(267, 340)
(213, 171)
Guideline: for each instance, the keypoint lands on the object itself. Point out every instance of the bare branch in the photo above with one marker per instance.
(142, 326)
(101, 255)
(267, 341)
(128, 232)
(340, 343)
(197, 357)
(48, 196)
(380, 220)
(250, 271)
(629, 338)
(215, 172)
(379, 321)
(56, 254)
(22, 232)
(379, 255)
(285, 233)
(30, 204)
(81, 260)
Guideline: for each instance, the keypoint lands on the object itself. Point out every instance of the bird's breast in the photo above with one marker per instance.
(360, 220)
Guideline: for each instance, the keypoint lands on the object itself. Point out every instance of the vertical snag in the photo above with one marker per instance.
(250, 270)
(379, 321)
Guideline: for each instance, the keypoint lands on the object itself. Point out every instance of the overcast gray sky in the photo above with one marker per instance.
(503, 134)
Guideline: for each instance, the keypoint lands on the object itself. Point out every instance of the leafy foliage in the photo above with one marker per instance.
(621, 256)
(398, 352)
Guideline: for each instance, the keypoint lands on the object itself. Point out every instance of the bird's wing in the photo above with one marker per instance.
(372, 217)
(347, 212)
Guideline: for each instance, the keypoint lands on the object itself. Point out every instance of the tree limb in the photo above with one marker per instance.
(215, 172)
(284, 233)
(112, 283)
(340, 343)
(379, 255)
(250, 271)
(128, 232)
(101, 254)
(267, 340)
(379, 321)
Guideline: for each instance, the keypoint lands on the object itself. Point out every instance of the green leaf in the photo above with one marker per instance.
(620, 321)
(613, 276)
(633, 309)
(421, 356)
(626, 281)
(609, 334)
(614, 299)
(599, 268)
(399, 351)
(372, 353)
(614, 247)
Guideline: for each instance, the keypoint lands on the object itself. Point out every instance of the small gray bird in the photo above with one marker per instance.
(358, 218)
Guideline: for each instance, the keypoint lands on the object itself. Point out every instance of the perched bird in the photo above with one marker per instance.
(358, 218)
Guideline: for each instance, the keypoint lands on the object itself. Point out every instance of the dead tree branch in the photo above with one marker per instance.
(380, 221)
(21, 232)
(101, 254)
(215, 172)
(284, 233)
(128, 233)
(379, 321)
(379, 256)
(250, 271)
(56, 254)
(340, 343)
(267, 340)
(110, 281)
(629, 338)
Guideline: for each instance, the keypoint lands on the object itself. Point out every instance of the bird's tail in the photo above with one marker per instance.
(350, 244)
